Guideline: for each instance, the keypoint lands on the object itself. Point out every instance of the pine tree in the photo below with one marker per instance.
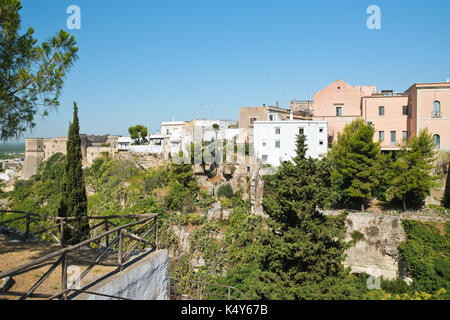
(413, 178)
(304, 248)
(74, 199)
(446, 200)
(355, 158)
(32, 75)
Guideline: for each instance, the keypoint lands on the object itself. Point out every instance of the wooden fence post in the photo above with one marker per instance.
(64, 276)
(198, 290)
(27, 228)
(107, 229)
(156, 232)
(119, 253)
(61, 232)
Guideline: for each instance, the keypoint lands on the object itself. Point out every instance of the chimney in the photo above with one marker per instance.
(277, 104)
(291, 115)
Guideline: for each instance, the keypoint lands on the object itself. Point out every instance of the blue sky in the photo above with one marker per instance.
(147, 61)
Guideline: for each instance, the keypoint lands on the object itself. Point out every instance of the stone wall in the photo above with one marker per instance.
(379, 248)
(378, 251)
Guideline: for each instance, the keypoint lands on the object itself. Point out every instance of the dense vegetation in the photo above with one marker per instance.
(296, 253)
(361, 172)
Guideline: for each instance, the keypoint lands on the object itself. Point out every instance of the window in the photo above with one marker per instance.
(339, 111)
(381, 110)
(265, 157)
(393, 137)
(320, 130)
(264, 144)
(167, 131)
(252, 120)
(301, 131)
(321, 143)
(405, 110)
(277, 144)
(381, 136)
(436, 109)
(277, 130)
(437, 141)
(405, 135)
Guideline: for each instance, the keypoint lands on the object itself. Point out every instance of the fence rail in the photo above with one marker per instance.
(136, 232)
(199, 290)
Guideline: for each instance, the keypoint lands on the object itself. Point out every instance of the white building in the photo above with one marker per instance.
(181, 133)
(174, 131)
(124, 143)
(275, 141)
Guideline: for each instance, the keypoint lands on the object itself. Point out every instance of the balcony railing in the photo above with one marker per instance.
(436, 114)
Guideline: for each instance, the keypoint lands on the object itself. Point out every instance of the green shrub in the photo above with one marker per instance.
(394, 286)
(357, 236)
(205, 199)
(226, 191)
(426, 256)
(226, 203)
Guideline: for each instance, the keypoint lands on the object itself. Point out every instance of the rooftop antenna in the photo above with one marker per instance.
(307, 94)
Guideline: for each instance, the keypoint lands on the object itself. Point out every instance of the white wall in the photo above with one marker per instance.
(146, 149)
(264, 132)
(146, 279)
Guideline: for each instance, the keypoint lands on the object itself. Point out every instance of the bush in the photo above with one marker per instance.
(205, 199)
(394, 286)
(226, 203)
(357, 236)
(226, 191)
(426, 256)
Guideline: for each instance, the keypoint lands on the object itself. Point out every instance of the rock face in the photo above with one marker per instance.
(378, 251)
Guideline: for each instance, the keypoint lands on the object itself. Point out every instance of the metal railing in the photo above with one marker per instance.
(136, 232)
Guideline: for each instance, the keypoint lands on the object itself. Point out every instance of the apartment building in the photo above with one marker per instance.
(395, 115)
(275, 141)
(181, 133)
(249, 115)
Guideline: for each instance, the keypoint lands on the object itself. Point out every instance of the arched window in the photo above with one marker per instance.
(436, 109)
(437, 141)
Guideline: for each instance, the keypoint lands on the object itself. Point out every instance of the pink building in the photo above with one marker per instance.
(395, 116)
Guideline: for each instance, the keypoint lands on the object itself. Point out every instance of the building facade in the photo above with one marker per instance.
(249, 115)
(395, 115)
(275, 141)
(41, 149)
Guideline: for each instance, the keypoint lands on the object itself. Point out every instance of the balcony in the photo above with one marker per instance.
(436, 114)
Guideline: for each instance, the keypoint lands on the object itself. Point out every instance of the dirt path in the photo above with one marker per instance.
(15, 253)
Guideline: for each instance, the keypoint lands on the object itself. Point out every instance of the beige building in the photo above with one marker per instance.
(41, 149)
(248, 116)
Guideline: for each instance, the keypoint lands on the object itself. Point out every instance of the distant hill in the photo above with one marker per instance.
(17, 148)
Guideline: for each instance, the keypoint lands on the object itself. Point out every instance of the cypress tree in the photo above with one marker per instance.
(74, 200)
(304, 249)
